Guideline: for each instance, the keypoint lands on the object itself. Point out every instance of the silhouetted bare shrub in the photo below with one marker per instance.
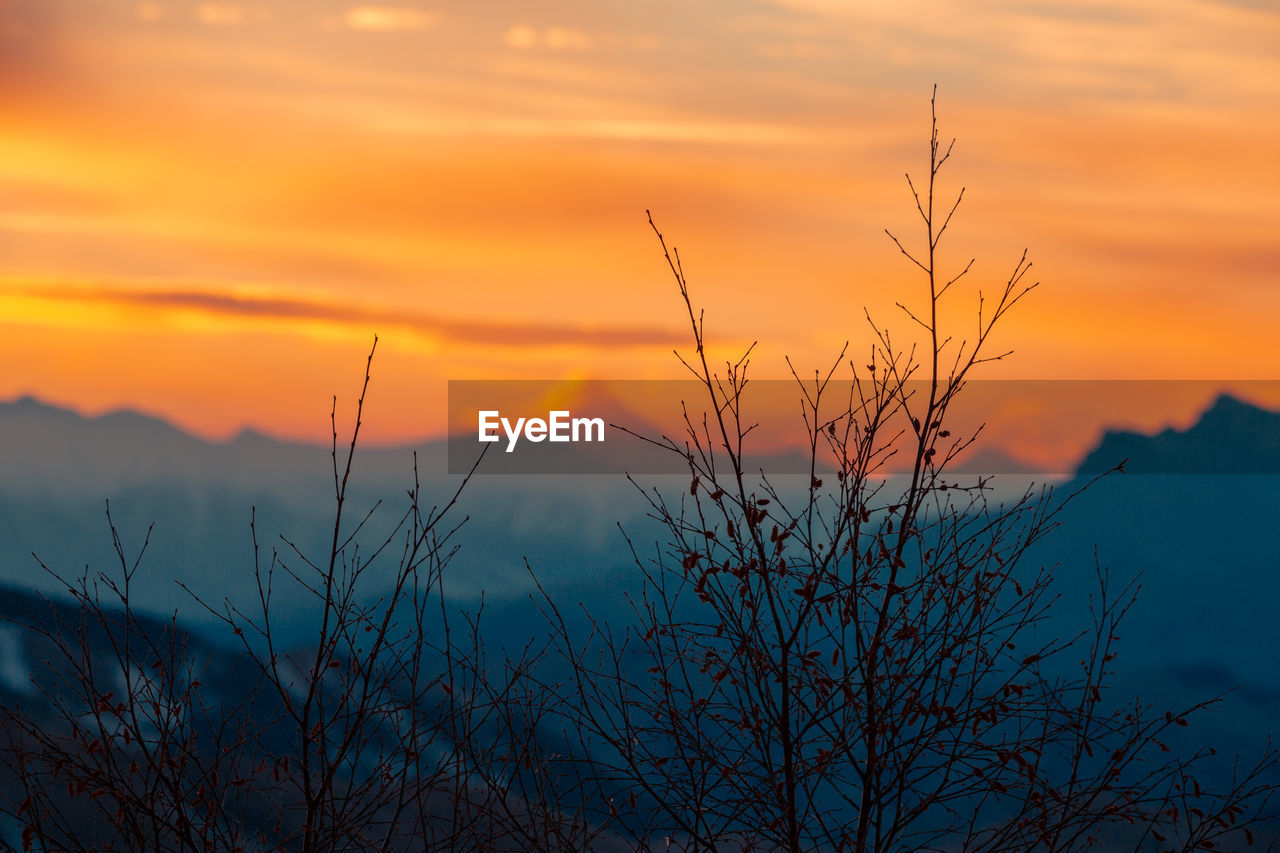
(862, 662)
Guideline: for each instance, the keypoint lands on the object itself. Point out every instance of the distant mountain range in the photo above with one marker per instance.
(1203, 545)
(57, 468)
(55, 449)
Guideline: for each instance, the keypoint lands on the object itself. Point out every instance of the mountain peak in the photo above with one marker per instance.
(1228, 406)
(1231, 436)
(29, 404)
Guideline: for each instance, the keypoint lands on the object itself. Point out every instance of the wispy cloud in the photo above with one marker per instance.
(220, 14)
(553, 38)
(283, 309)
(387, 19)
(149, 12)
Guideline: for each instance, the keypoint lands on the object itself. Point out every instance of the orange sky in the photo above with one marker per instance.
(207, 209)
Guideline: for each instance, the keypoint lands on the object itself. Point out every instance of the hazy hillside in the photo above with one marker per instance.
(1200, 541)
(57, 470)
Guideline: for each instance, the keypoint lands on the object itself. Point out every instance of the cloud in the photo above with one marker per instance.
(387, 19)
(552, 38)
(1096, 50)
(220, 14)
(286, 309)
(563, 38)
(521, 37)
(392, 119)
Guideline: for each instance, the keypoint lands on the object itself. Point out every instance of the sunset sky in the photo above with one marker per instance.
(207, 209)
